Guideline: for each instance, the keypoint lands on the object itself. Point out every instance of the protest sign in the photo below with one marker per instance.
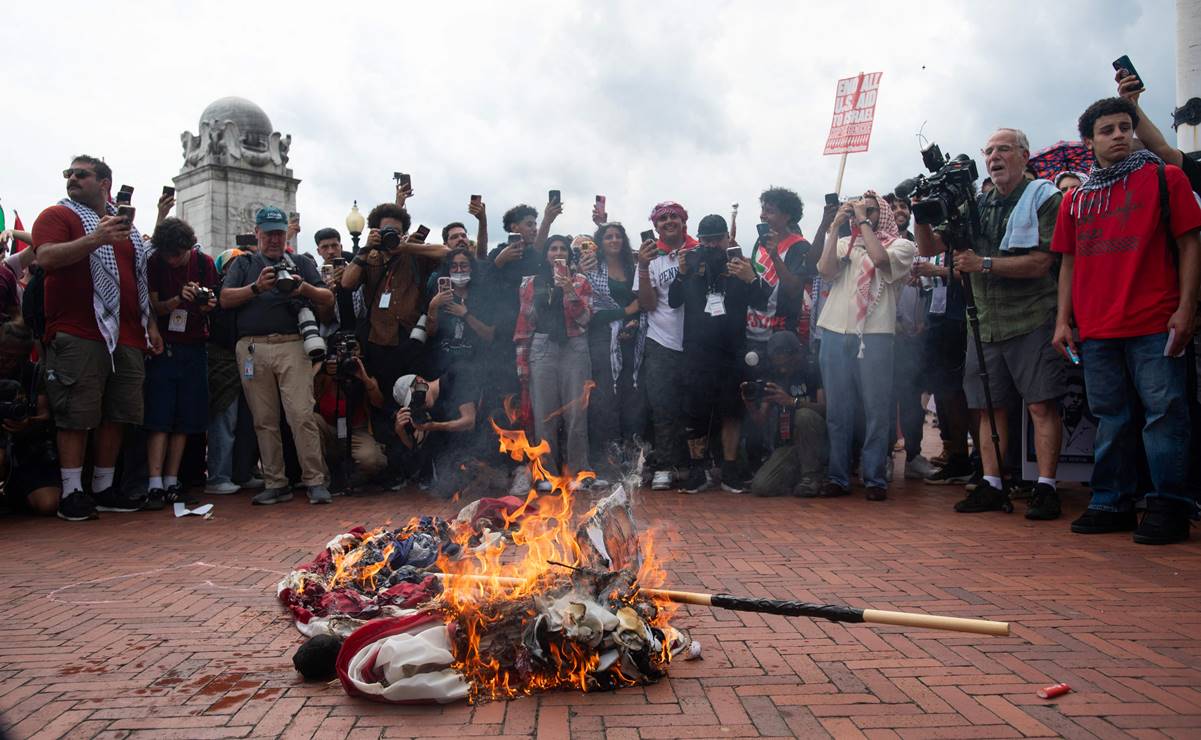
(854, 112)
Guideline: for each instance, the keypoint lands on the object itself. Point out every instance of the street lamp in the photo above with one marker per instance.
(355, 224)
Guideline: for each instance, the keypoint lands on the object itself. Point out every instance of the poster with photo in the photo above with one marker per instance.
(1079, 433)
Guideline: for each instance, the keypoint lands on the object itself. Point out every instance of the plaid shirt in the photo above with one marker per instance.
(576, 312)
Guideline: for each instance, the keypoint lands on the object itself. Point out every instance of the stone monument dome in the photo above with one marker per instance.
(252, 122)
(234, 165)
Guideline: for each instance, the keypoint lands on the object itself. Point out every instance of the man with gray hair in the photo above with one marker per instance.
(1015, 295)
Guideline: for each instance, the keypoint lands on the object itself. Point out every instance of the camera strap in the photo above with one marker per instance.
(1165, 216)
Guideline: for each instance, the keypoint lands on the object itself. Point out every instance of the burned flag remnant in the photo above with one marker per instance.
(510, 598)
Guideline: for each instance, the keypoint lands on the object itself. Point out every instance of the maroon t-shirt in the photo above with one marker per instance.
(69, 289)
(168, 281)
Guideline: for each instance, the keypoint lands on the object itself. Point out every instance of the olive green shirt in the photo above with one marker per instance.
(1011, 307)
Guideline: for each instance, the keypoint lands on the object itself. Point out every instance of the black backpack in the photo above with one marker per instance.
(33, 302)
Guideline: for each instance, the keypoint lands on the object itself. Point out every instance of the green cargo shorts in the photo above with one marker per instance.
(86, 387)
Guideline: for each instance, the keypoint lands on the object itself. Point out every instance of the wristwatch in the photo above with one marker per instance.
(254, 288)
(987, 265)
(865, 222)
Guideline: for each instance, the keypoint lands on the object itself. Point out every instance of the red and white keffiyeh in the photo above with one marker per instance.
(868, 285)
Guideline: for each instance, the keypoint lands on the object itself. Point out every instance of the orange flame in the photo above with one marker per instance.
(504, 573)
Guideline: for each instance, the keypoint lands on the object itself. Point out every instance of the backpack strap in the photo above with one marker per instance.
(1165, 216)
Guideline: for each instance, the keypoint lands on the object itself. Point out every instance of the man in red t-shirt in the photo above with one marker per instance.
(1133, 300)
(97, 332)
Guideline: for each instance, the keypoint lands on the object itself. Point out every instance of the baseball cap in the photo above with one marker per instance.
(402, 391)
(712, 225)
(270, 218)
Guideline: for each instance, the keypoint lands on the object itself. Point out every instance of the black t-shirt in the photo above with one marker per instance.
(505, 282)
(271, 312)
(702, 330)
(456, 342)
(33, 384)
(786, 306)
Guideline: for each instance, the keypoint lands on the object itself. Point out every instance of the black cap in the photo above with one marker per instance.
(712, 225)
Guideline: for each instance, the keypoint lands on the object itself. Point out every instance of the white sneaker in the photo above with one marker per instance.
(222, 489)
(919, 468)
(254, 483)
(662, 481)
(521, 483)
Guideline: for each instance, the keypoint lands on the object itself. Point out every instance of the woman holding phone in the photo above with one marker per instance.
(455, 326)
(616, 340)
(552, 355)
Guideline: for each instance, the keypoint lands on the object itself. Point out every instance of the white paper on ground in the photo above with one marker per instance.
(181, 509)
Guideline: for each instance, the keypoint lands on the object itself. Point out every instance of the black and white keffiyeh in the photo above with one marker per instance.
(602, 300)
(1093, 195)
(106, 278)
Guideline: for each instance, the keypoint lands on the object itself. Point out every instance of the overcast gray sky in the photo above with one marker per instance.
(703, 102)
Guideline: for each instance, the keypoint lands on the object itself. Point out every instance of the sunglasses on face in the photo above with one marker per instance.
(78, 172)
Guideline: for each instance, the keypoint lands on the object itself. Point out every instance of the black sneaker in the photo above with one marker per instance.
(1044, 503)
(974, 481)
(731, 480)
(696, 481)
(1096, 521)
(1166, 522)
(110, 499)
(876, 493)
(176, 493)
(833, 490)
(984, 498)
(77, 506)
(156, 499)
(957, 472)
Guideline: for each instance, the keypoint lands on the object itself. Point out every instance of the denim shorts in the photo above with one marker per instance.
(177, 394)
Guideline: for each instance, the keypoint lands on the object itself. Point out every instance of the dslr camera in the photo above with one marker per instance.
(389, 239)
(938, 197)
(345, 347)
(203, 296)
(15, 404)
(285, 279)
(754, 390)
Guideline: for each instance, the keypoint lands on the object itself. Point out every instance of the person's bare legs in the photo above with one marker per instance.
(72, 446)
(107, 444)
(156, 450)
(1048, 436)
(731, 429)
(175, 449)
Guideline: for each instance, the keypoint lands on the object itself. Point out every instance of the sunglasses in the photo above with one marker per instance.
(78, 172)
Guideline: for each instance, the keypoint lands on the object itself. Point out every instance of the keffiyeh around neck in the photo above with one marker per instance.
(868, 286)
(1093, 195)
(106, 277)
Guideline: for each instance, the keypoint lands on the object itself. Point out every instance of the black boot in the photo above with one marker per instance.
(1166, 522)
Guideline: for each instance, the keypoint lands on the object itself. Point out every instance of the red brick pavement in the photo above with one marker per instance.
(141, 625)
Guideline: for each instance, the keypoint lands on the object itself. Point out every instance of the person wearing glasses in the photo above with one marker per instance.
(99, 327)
(1016, 297)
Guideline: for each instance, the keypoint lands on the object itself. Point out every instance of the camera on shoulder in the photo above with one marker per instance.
(938, 197)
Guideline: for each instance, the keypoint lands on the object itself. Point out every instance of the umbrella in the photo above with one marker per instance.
(1064, 155)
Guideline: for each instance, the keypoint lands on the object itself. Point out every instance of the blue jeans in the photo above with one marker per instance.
(1112, 368)
(845, 377)
(221, 445)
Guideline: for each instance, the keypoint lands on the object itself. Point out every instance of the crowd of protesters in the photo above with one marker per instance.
(774, 366)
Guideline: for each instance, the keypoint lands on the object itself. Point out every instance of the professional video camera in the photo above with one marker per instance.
(937, 198)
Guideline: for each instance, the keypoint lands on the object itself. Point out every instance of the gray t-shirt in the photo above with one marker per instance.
(270, 312)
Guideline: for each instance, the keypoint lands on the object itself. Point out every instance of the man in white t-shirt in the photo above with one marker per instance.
(867, 271)
(662, 362)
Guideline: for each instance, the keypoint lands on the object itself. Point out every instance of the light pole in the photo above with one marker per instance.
(354, 224)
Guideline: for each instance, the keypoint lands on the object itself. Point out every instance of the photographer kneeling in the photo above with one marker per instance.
(786, 411)
(271, 293)
(29, 458)
(344, 389)
(436, 423)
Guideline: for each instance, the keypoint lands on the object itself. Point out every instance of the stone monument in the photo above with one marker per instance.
(236, 165)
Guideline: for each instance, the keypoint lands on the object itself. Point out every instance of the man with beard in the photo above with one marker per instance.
(662, 363)
(1129, 282)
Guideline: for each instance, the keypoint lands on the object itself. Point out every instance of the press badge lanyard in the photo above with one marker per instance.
(178, 321)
